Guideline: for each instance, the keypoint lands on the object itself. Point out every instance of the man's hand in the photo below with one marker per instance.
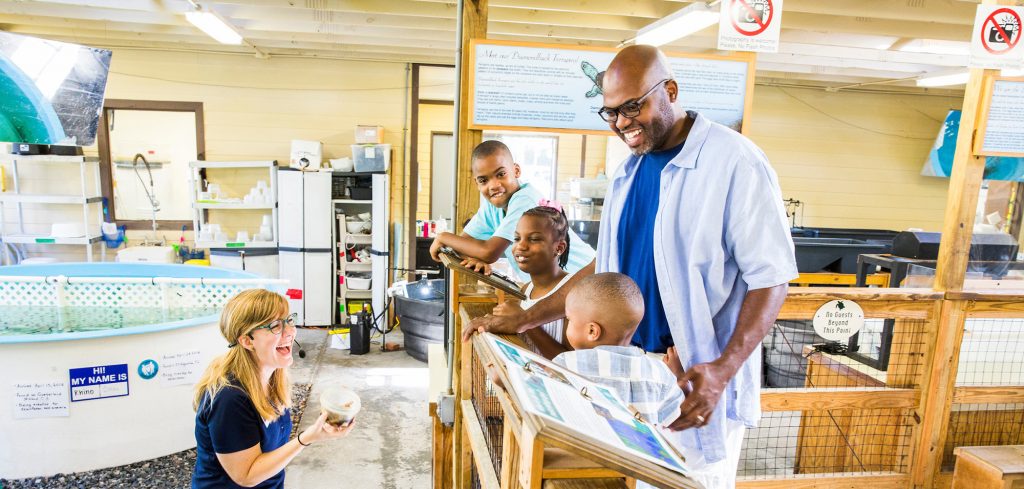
(478, 266)
(704, 384)
(510, 307)
(491, 323)
(435, 248)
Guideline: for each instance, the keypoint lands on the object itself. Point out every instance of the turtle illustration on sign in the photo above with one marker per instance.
(595, 76)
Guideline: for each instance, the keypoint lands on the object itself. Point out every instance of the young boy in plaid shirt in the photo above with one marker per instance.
(603, 311)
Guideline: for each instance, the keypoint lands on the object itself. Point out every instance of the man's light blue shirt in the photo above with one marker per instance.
(490, 221)
(720, 231)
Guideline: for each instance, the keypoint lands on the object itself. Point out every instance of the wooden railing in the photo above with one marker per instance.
(849, 426)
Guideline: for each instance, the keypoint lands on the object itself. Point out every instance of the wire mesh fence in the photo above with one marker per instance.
(992, 353)
(826, 442)
(795, 357)
(488, 411)
(983, 424)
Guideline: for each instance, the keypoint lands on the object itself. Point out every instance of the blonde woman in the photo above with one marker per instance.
(243, 401)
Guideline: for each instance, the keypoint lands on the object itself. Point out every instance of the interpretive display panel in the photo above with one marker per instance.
(576, 412)
(1000, 132)
(557, 88)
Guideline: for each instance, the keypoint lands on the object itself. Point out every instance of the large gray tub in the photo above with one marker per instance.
(421, 316)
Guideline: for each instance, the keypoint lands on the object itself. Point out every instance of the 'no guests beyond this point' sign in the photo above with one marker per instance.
(995, 43)
(750, 25)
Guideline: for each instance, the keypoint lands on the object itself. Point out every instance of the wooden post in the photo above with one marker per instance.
(474, 26)
(954, 250)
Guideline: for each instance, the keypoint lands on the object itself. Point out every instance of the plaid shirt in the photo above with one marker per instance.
(647, 384)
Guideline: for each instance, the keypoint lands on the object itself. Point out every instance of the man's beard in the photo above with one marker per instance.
(655, 134)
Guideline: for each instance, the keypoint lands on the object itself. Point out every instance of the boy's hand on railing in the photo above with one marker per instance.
(435, 248)
(492, 374)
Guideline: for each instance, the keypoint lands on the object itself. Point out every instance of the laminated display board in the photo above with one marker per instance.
(451, 259)
(566, 410)
(1000, 125)
(554, 88)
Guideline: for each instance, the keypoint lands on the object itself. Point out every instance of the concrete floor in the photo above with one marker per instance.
(390, 446)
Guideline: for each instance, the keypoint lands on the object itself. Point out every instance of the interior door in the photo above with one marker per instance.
(442, 167)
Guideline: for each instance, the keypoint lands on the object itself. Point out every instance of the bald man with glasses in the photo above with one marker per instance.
(694, 216)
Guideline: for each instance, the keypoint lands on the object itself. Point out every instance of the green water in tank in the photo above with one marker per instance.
(21, 320)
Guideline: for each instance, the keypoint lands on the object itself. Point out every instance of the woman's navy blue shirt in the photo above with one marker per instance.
(230, 424)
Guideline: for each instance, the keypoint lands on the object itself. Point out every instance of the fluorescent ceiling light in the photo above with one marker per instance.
(958, 78)
(936, 46)
(682, 23)
(947, 79)
(214, 26)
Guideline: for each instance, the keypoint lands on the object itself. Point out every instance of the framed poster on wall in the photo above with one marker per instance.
(1002, 117)
(544, 87)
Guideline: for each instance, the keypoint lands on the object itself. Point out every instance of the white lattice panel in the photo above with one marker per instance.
(202, 296)
(117, 295)
(113, 295)
(27, 294)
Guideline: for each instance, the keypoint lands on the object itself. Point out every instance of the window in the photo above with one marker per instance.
(537, 156)
(169, 135)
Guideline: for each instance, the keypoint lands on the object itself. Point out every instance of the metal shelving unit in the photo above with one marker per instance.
(377, 241)
(200, 209)
(83, 199)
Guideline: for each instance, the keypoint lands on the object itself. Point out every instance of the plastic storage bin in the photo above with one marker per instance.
(371, 157)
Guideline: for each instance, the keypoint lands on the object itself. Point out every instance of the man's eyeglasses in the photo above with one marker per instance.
(277, 326)
(629, 109)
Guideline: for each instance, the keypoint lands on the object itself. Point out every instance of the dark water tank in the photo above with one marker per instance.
(421, 316)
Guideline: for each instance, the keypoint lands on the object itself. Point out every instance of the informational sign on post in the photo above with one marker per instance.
(838, 320)
(99, 382)
(542, 87)
(1001, 132)
(995, 42)
(750, 25)
(40, 399)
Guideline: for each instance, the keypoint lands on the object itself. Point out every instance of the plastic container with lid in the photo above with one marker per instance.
(371, 157)
(340, 404)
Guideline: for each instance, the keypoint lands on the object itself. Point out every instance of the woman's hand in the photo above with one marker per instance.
(322, 430)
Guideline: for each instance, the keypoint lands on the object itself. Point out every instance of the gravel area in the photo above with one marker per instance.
(170, 472)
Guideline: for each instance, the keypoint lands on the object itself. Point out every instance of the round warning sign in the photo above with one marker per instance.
(751, 17)
(838, 320)
(1001, 31)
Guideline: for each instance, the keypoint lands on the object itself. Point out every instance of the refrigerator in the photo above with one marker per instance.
(305, 220)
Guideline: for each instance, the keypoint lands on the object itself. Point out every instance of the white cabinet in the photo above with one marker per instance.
(305, 252)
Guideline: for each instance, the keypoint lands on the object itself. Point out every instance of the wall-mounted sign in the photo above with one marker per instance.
(148, 369)
(528, 86)
(100, 382)
(40, 399)
(182, 368)
(1001, 126)
(750, 25)
(995, 42)
(838, 320)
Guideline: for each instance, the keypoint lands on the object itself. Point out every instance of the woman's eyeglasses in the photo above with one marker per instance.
(277, 326)
(629, 109)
